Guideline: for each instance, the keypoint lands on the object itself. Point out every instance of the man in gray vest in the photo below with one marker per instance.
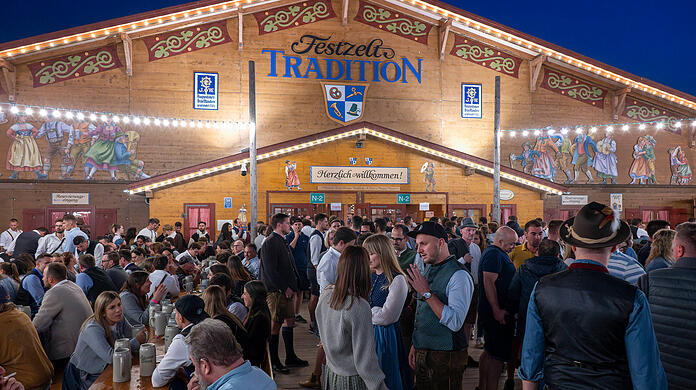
(438, 355)
(670, 293)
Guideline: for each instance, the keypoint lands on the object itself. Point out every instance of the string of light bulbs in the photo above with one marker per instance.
(128, 119)
(592, 129)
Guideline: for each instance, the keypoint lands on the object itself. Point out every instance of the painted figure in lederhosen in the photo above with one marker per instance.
(134, 170)
(79, 142)
(24, 154)
(582, 160)
(53, 130)
(526, 158)
(563, 157)
(428, 171)
(643, 167)
(292, 180)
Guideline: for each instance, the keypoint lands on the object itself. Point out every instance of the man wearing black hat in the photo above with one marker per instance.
(586, 328)
(190, 310)
(439, 352)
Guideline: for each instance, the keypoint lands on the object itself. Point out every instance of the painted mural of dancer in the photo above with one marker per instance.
(681, 171)
(54, 131)
(563, 158)
(582, 160)
(428, 171)
(643, 167)
(24, 154)
(605, 159)
(292, 180)
(79, 143)
(543, 162)
(526, 158)
(102, 154)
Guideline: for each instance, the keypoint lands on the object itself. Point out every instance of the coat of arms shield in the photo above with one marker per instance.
(345, 103)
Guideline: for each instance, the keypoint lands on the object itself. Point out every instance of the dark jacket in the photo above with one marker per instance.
(259, 330)
(670, 293)
(523, 283)
(118, 275)
(100, 282)
(26, 242)
(278, 270)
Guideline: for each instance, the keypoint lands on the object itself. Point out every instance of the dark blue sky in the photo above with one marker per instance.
(653, 39)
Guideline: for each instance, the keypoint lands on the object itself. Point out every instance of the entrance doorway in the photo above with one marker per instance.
(96, 221)
(473, 211)
(395, 212)
(201, 212)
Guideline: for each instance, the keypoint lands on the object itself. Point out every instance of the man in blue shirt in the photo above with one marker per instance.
(586, 328)
(31, 290)
(218, 360)
(71, 231)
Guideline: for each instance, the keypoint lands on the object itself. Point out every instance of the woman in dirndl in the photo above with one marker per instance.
(24, 154)
(387, 297)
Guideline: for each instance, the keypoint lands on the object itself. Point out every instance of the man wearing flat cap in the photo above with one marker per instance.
(190, 310)
(585, 328)
(438, 355)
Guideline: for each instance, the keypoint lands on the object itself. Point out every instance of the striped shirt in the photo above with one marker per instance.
(625, 267)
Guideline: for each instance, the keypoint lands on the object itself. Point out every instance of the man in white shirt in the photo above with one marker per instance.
(160, 275)
(150, 231)
(52, 243)
(251, 260)
(326, 271)
(189, 255)
(190, 310)
(11, 234)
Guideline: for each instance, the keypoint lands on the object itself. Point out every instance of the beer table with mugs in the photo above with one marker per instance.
(106, 379)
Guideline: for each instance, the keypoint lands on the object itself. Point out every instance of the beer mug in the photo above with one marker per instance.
(122, 343)
(204, 284)
(169, 333)
(160, 323)
(122, 365)
(188, 286)
(147, 359)
(154, 308)
(138, 328)
(167, 308)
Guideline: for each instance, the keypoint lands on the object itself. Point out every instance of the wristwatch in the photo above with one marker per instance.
(427, 295)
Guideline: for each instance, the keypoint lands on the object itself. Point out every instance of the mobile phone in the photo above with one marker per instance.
(163, 279)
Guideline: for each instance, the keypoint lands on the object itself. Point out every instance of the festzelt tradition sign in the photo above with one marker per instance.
(361, 62)
(358, 175)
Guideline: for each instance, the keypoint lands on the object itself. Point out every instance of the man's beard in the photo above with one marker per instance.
(202, 383)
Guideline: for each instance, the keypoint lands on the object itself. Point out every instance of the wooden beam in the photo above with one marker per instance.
(4, 64)
(618, 102)
(345, 12)
(535, 66)
(128, 51)
(8, 70)
(240, 27)
(445, 27)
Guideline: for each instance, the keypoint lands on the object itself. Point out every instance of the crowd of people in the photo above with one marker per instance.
(590, 302)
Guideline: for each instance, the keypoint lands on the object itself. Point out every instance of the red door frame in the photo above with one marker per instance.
(480, 207)
(212, 228)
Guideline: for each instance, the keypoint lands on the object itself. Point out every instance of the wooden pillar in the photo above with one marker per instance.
(618, 102)
(534, 70)
(344, 15)
(128, 52)
(445, 27)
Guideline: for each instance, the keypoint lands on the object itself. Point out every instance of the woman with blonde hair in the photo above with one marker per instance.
(215, 300)
(344, 318)
(95, 345)
(387, 297)
(661, 255)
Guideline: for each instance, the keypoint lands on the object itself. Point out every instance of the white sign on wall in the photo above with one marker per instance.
(574, 200)
(358, 175)
(335, 207)
(221, 222)
(506, 194)
(70, 198)
(616, 202)
(424, 206)
(205, 91)
(471, 101)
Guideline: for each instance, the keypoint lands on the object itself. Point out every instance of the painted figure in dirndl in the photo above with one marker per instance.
(681, 171)
(24, 154)
(292, 180)
(643, 167)
(605, 159)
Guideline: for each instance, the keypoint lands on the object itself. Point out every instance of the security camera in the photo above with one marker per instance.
(244, 169)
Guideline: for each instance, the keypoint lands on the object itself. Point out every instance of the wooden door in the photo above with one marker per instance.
(199, 212)
(85, 216)
(473, 211)
(103, 220)
(292, 209)
(506, 210)
(34, 218)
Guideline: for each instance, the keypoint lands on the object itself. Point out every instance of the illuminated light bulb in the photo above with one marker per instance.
(146, 23)
(157, 122)
(693, 124)
(28, 111)
(593, 129)
(93, 35)
(65, 41)
(537, 132)
(525, 133)
(207, 125)
(513, 134)
(103, 118)
(660, 125)
(550, 131)
(37, 47)
(69, 115)
(678, 125)
(610, 129)
(115, 118)
(175, 123)
(136, 120)
(564, 131)
(165, 122)
(79, 38)
(146, 121)
(56, 114)
(642, 126)
(200, 124)
(126, 120)
(14, 109)
(192, 124)
(92, 117)
(578, 130)
(624, 127)
(52, 44)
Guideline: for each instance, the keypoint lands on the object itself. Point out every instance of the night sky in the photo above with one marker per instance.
(652, 39)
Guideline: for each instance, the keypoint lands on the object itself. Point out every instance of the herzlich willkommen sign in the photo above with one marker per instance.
(205, 91)
(359, 175)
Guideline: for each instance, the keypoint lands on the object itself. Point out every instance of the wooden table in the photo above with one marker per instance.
(106, 379)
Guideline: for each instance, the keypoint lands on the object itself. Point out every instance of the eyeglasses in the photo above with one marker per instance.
(397, 239)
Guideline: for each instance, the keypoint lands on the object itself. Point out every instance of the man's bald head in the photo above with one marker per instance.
(505, 238)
